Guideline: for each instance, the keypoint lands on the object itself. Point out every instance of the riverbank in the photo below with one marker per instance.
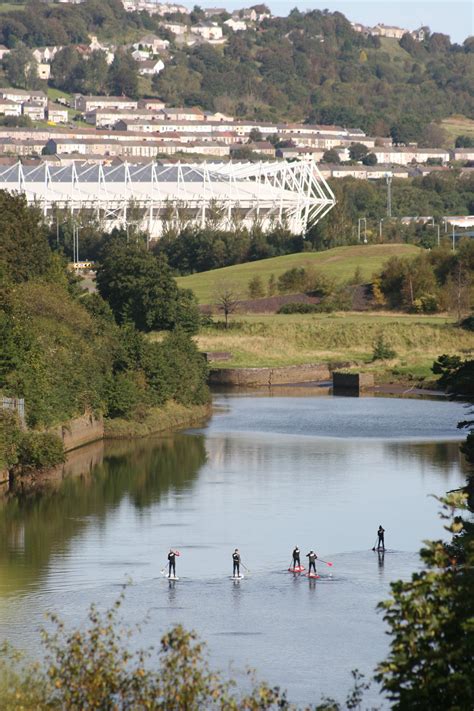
(172, 416)
(270, 341)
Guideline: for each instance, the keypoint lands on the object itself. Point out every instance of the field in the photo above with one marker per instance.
(339, 263)
(458, 126)
(257, 341)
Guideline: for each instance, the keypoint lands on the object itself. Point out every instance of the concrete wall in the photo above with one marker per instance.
(257, 377)
(352, 381)
(80, 431)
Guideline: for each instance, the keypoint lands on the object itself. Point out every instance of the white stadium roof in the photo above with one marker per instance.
(270, 193)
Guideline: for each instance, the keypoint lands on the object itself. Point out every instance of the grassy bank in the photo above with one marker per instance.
(171, 416)
(273, 340)
(339, 263)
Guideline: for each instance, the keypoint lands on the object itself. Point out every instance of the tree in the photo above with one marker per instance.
(331, 156)
(95, 73)
(227, 298)
(24, 249)
(255, 135)
(272, 285)
(140, 288)
(358, 151)
(123, 77)
(369, 159)
(464, 142)
(63, 67)
(256, 290)
(430, 618)
(433, 136)
(21, 68)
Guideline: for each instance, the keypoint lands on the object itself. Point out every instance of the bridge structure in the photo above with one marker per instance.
(152, 196)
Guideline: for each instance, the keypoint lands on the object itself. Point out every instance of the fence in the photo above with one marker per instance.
(14, 403)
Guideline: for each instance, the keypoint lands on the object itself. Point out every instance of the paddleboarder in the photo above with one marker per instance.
(381, 538)
(296, 558)
(236, 563)
(172, 563)
(312, 561)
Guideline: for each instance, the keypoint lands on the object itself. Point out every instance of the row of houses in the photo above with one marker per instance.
(391, 31)
(32, 104)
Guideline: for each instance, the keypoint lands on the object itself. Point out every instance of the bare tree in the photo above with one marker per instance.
(459, 289)
(226, 298)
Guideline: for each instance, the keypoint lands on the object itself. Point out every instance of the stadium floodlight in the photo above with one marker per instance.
(152, 196)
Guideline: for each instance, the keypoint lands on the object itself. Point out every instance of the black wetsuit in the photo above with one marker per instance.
(381, 535)
(312, 562)
(296, 558)
(236, 566)
(172, 563)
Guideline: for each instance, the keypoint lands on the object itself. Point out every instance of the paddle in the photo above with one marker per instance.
(375, 543)
(244, 566)
(325, 561)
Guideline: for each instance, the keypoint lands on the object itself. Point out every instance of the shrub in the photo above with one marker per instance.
(299, 307)
(292, 281)
(40, 450)
(468, 323)
(382, 350)
(10, 434)
(255, 287)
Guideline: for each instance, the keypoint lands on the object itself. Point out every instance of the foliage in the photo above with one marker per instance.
(468, 323)
(431, 623)
(456, 375)
(382, 350)
(256, 289)
(140, 289)
(298, 307)
(24, 250)
(9, 438)
(40, 450)
(227, 298)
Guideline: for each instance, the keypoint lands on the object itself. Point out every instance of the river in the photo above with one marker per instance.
(265, 474)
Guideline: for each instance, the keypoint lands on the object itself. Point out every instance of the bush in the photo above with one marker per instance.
(299, 307)
(427, 304)
(255, 288)
(40, 450)
(292, 281)
(468, 323)
(382, 350)
(10, 434)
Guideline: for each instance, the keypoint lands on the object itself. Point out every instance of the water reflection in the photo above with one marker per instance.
(36, 524)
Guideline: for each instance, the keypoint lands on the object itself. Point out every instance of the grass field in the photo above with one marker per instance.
(339, 263)
(260, 340)
(458, 126)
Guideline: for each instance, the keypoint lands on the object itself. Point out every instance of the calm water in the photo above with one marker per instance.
(265, 474)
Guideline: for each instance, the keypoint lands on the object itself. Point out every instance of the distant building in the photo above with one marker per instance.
(10, 108)
(208, 30)
(153, 43)
(3, 51)
(34, 110)
(21, 95)
(150, 67)
(57, 114)
(90, 103)
(184, 114)
(237, 25)
(214, 11)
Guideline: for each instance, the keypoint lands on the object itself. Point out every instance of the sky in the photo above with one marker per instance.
(452, 17)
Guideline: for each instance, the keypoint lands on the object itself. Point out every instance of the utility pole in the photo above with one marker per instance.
(380, 228)
(364, 220)
(454, 239)
(388, 178)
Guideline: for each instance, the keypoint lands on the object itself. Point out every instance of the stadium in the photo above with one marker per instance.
(154, 195)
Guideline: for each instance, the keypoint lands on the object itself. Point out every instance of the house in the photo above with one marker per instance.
(247, 13)
(91, 103)
(141, 55)
(21, 95)
(43, 70)
(57, 114)
(208, 30)
(463, 154)
(175, 27)
(387, 31)
(150, 67)
(151, 104)
(299, 152)
(236, 25)
(152, 43)
(34, 110)
(10, 108)
(185, 114)
(217, 116)
(264, 148)
(3, 51)
(214, 11)
(45, 55)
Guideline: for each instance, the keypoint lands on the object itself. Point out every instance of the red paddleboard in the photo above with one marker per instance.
(298, 569)
(312, 575)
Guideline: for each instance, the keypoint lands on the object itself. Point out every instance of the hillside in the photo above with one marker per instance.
(340, 263)
(308, 66)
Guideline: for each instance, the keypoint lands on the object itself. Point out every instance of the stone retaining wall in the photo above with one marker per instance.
(257, 377)
(79, 431)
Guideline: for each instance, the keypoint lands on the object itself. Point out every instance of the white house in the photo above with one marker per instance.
(10, 108)
(153, 43)
(141, 55)
(33, 110)
(21, 95)
(236, 25)
(175, 27)
(43, 70)
(3, 51)
(57, 114)
(208, 30)
(150, 67)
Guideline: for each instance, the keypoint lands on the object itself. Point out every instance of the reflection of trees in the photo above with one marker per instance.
(445, 456)
(35, 526)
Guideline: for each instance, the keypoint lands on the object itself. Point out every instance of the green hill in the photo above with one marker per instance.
(340, 263)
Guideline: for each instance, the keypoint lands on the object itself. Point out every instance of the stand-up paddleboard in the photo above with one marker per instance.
(236, 577)
(312, 576)
(298, 569)
(168, 576)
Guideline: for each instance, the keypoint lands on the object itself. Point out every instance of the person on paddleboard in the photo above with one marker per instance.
(381, 538)
(236, 563)
(312, 561)
(296, 557)
(172, 563)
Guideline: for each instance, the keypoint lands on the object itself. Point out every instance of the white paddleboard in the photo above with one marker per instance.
(236, 577)
(170, 577)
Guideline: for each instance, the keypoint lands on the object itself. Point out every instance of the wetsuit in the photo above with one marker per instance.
(381, 534)
(312, 562)
(296, 558)
(236, 566)
(172, 563)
